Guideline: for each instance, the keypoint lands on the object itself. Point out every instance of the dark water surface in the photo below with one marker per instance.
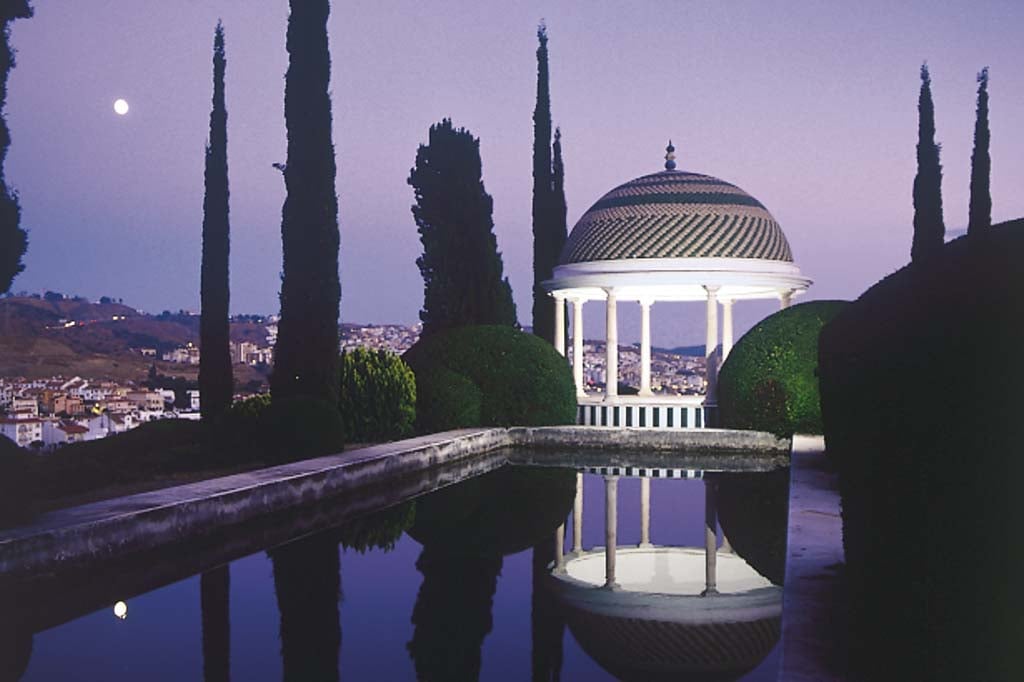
(461, 594)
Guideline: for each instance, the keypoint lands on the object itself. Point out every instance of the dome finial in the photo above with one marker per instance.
(670, 157)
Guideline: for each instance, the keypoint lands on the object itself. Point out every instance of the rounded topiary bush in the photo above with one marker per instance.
(377, 399)
(769, 381)
(521, 379)
(446, 400)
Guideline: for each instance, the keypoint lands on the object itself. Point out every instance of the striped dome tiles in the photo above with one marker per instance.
(674, 214)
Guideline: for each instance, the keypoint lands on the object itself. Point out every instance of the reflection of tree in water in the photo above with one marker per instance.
(452, 615)
(547, 623)
(465, 531)
(214, 586)
(753, 510)
(307, 580)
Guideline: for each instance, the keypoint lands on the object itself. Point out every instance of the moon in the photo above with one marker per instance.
(120, 107)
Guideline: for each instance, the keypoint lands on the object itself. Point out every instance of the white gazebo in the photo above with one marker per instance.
(668, 236)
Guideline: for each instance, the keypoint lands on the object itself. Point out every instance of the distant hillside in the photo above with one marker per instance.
(688, 351)
(40, 338)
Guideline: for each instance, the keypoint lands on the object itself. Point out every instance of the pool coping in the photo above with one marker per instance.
(812, 599)
(111, 528)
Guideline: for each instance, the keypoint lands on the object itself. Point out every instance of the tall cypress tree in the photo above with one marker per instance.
(980, 214)
(214, 590)
(461, 265)
(306, 354)
(929, 230)
(543, 264)
(215, 380)
(13, 239)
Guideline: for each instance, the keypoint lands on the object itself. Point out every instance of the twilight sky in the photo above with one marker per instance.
(809, 106)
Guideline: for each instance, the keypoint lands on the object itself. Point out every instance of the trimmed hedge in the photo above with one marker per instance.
(377, 399)
(15, 497)
(519, 379)
(921, 399)
(769, 381)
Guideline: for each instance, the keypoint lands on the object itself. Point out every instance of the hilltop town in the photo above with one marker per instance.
(101, 367)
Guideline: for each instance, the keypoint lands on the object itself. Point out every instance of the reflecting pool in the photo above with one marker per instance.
(502, 576)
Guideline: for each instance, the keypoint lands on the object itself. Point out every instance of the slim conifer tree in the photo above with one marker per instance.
(980, 214)
(215, 379)
(306, 354)
(461, 266)
(929, 229)
(543, 304)
(13, 239)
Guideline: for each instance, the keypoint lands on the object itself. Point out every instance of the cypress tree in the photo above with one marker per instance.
(461, 265)
(306, 354)
(929, 230)
(13, 239)
(215, 380)
(980, 214)
(543, 264)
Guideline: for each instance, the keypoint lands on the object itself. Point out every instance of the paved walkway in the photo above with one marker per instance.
(811, 620)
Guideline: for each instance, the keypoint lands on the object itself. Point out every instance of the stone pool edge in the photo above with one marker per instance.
(110, 528)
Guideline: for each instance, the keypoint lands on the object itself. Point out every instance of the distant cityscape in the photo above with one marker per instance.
(46, 413)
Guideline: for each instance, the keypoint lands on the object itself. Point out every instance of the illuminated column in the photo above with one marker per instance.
(710, 539)
(611, 522)
(645, 347)
(785, 298)
(726, 328)
(710, 345)
(560, 324)
(559, 546)
(611, 342)
(645, 512)
(577, 517)
(577, 346)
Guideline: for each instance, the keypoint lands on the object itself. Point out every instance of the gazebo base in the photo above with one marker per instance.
(654, 412)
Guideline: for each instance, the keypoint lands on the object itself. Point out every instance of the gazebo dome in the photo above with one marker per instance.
(676, 214)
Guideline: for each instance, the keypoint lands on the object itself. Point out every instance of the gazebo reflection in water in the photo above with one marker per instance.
(653, 612)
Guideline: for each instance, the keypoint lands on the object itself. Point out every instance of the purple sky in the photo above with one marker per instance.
(810, 107)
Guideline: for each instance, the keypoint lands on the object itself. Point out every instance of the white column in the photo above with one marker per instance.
(611, 527)
(611, 340)
(785, 298)
(710, 346)
(559, 547)
(645, 512)
(560, 324)
(710, 539)
(577, 517)
(577, 346)
(645, 347)
(726, 328)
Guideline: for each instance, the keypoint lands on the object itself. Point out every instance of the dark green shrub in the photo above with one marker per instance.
(15, 483)
(521, 379)
(446, 400)
(769, 381)
(378, 396)
(299, 428)
(379, 530)
(921, 400)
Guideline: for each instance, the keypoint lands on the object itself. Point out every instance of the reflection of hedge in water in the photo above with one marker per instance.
(503, 512)
(307, 580)
(379, 530)
(753, 510)
(452, 615)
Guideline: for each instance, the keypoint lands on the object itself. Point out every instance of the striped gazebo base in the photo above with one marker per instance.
(646, 414)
